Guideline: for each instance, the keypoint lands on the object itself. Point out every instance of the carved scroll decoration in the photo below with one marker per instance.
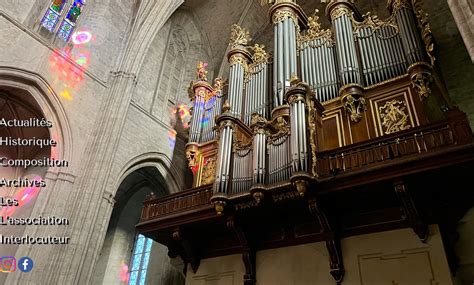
(355, 106)
(425, 27)
(314, 31)
(260, 55)
(340, 11)
(374, 23)
(394, 118)
(421, 82)
(193, 158)
(398, 4)
(281, 15)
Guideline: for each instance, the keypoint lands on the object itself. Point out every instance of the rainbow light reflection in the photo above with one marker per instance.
(204, 122)
(81, 37)
(124, 275)
(184, 114)
(24, 196)
(70, 66)
(171, 138)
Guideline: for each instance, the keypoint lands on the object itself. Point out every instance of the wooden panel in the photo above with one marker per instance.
(333, 132)
(393, 112)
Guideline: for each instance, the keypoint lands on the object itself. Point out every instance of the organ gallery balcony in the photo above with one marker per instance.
(339, 132)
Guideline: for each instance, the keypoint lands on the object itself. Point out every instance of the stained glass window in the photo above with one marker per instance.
(140, 259)
(69, 22)
(52, 15)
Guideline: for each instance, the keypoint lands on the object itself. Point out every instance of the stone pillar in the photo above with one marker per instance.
(463, 13)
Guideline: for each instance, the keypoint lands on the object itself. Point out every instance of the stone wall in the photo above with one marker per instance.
(463, 12)
(100, 132)
(392, 257)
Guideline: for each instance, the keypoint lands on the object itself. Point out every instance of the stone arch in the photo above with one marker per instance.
(171, 177)
(28, 83)
(141, 175)
(49, 102)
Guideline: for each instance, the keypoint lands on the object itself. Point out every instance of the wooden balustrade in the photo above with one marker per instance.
(403, 144)
(179, 202)
(383, 150)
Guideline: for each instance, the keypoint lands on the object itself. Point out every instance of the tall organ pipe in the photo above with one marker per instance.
(238, 60)
(298, 147)
(284, 61)
(409, 35)
(345, 45)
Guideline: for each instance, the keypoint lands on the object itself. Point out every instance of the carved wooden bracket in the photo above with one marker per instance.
(418, 225)
(248, 252)
(336, 263)
(333, 243)
(352, 98)
(187, 252)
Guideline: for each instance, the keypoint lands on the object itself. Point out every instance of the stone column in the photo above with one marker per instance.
(463, 13)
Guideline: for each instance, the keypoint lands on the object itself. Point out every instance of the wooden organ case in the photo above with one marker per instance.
(353, 114)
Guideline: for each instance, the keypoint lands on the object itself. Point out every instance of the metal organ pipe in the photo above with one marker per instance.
(263, 96)
(261, 85)
(255, 93)
(195, 120)
(409, 34)
(285, 56)
(323, 56)
(313, 66)
(349, 66)
(280, 67)
(224, 160)
(240, 86)
(220, 164)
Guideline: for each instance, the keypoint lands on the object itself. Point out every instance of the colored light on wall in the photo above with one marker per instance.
(124, 274)
(68, 74)
(66, 95)
(171, 138)
(24, 196)
(81, 37)
(184, 114)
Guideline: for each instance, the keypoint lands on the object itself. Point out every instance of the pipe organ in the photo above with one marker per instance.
(317, 90)
(322, 134)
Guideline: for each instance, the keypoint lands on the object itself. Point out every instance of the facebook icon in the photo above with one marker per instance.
(25, 264)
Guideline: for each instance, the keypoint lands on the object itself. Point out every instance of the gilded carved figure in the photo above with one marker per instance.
(394, 116)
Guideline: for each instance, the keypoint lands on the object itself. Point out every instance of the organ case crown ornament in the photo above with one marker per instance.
(202, 71)
(239, 36)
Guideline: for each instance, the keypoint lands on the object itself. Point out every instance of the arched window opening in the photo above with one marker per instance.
(127, 257)
(56, 12)
(140, 260)
(52, 15)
